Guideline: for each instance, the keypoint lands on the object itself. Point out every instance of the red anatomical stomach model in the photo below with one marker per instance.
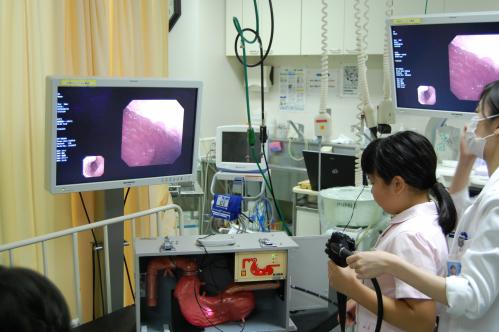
(234, 303)
(200, 310)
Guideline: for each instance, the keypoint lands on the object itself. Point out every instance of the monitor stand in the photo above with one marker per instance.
(109, 204)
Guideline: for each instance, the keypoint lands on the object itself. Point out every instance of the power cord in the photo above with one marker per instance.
(93, 262)
(124, 257)
(99, 264)
(322, 297)
(263, 131)
(353, 208)
(196, 295)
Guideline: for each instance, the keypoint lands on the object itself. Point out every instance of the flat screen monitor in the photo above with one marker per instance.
(105, 133)
(233, 153)
(337, 170)
(440, 63)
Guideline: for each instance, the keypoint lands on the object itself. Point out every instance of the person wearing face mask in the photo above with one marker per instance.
(470, 291)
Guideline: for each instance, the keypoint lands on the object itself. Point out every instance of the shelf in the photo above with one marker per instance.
(259, 322)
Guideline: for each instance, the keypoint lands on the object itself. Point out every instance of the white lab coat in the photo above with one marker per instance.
(473, 296)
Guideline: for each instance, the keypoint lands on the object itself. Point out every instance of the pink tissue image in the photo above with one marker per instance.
(93, 166)
(473, 63)
(152, 132)
(427, 95)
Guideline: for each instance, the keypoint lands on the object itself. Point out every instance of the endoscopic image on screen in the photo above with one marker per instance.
(444, 67)
(152, 132)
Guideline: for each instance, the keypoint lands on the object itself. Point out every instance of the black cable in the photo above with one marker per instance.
(263, 132)
(214, 284)
(246, 217)
(267, 212)
(322, 297)
(204, 237)
(202, 310)
(124, 256)
(263, 129)
(273, 194)
(353, 208)
(271, 185)
(195, 293)
(209, 267)
(379, 297)
(98, 258)
(342, 309)
(202, 245)
(254, 32)
(128, 277)
(93, 284)
(126, 196)
(204, 314)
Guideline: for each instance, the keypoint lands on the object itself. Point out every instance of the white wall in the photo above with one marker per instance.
(344, 109)
(197, 52)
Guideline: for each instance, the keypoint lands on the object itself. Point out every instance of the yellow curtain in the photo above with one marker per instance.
(30, 48)
(64, 37)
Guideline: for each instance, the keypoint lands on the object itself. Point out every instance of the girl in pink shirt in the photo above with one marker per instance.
(402, 168)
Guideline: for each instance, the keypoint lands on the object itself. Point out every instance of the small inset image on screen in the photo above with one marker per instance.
(427, 95)
(93, 166)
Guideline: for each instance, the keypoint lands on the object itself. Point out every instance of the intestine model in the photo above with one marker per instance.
(234, 303)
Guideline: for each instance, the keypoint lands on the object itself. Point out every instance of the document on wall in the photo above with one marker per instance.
(292, 89)
(314, 80)
(349, 80)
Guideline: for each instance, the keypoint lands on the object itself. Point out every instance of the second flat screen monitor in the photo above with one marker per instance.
(337, 170)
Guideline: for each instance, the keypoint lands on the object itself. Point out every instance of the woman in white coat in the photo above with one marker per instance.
(470, 291)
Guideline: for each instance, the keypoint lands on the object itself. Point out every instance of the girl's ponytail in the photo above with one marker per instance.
(447, 215)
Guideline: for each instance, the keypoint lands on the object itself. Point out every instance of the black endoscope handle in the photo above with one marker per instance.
(338, 248)
(344, 252)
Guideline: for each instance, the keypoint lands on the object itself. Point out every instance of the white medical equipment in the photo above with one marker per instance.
(353, 211)
(233, 152)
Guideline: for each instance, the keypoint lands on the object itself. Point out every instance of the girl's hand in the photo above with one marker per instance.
(370, 264)
(341, 279)
(351, 313)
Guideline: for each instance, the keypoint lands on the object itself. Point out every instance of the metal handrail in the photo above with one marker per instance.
(75, 230)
